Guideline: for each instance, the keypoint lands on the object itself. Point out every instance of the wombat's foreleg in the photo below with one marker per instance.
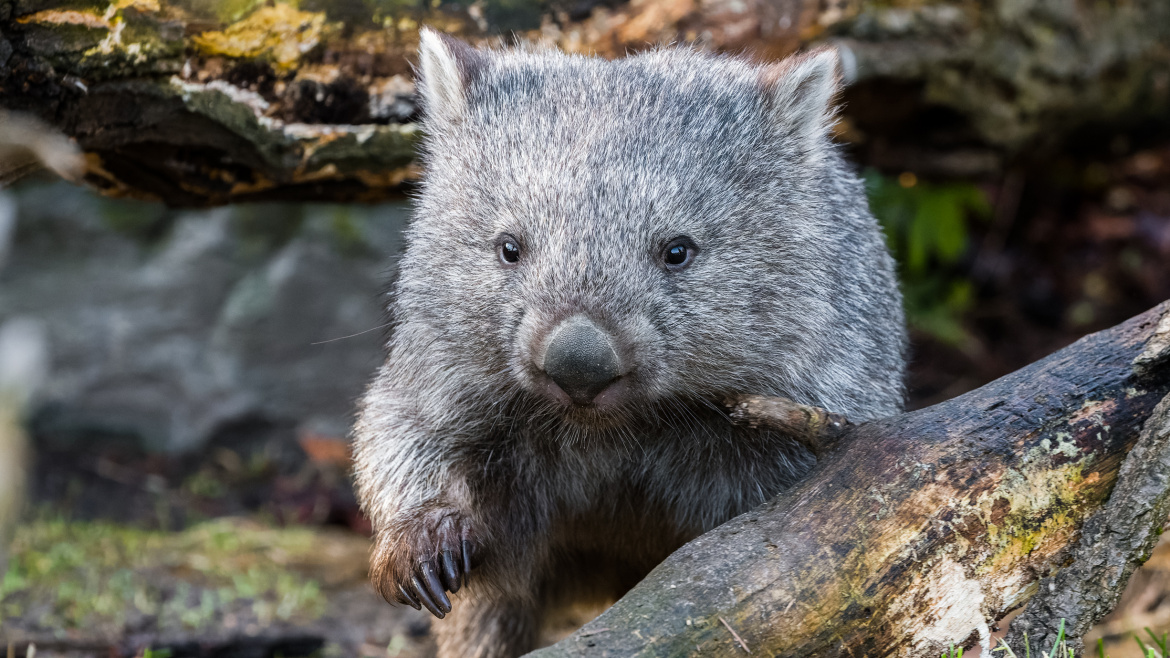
(485, 624)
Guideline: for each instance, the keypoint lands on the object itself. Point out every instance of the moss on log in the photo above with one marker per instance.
(925, 529)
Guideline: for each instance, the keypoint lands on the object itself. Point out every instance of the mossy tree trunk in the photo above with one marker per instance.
(202, 102)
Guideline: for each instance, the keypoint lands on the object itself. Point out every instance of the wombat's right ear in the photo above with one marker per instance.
(801, 89)
(447, 67)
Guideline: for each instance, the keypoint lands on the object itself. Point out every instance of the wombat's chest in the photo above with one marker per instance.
(616, 515)
(655, 490)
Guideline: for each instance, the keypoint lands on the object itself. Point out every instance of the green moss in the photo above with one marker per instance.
(1041, 507)
(139, 42)
(154, 42)
(100, 574)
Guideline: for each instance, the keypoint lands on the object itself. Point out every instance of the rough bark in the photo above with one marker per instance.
(922, 530)
(202, 102)
(1127, 526)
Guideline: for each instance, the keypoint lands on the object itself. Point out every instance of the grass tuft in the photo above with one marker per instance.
(1159, 650)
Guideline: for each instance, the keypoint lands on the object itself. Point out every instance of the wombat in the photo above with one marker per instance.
(601, 252)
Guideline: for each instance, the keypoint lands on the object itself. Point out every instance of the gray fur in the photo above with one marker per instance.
(593, 166)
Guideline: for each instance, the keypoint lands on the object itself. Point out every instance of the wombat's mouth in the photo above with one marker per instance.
(605, 401)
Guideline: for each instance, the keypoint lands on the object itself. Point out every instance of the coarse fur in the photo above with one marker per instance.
(593, 167)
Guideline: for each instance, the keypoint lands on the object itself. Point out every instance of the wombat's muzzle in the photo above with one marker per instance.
(580, 359)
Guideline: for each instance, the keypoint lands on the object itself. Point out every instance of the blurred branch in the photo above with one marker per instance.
(28, 145)
(1043, 490)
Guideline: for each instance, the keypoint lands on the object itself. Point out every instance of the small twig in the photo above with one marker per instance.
(735, 635)
(818, 429)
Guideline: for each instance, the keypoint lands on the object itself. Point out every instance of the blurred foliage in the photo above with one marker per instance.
(1161, 644)
(85, 574)
(144, 222)
(346, 232)
(264, 228)
(927, 228)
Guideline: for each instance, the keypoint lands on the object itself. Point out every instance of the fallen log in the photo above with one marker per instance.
(923, 530)
(209, 102)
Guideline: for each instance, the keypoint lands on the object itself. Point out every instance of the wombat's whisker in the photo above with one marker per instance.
(333, 340)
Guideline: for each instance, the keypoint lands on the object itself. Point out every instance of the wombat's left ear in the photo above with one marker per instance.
(447, 67)
(801, 88)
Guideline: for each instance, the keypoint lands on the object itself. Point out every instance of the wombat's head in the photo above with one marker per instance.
(596, 239)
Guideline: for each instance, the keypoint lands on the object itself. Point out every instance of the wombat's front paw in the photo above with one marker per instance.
(442, 559)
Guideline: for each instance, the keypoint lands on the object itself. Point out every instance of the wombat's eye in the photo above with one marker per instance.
(678, 253)
(508, 249)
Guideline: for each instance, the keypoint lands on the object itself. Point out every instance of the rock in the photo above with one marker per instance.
(167, 327)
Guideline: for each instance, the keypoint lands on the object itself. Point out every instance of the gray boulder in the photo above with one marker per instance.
(167, 327)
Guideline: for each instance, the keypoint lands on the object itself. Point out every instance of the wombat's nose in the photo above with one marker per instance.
(580, 359)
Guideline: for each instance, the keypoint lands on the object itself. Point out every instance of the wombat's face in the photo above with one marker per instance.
(598, 239)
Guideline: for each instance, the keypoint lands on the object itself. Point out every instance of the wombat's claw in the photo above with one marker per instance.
(444, 556)
(467, 560)
(434, 585)
(450, 571)
(426, 599)
(405, 597)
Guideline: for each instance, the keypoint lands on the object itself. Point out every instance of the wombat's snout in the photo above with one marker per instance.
(581, 360)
